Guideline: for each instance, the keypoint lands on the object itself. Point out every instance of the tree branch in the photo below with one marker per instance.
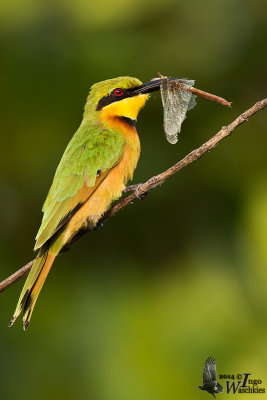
(16, 276)
(159, 179)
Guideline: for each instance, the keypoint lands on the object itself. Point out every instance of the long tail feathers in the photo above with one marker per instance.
(33, 286)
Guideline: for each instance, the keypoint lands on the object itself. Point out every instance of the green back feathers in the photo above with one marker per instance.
(92, 150)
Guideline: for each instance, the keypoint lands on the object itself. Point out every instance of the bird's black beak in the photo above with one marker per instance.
(152, 86)
(149, 87)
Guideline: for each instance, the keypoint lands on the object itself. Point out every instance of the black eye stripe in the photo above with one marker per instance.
(111, 98)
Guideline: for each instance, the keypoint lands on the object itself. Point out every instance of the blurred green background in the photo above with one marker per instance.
(134, 309)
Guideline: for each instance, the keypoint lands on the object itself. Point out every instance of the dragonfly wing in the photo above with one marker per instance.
(171, 118)
(176, 102)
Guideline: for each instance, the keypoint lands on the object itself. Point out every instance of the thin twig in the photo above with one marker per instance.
(160, 178)
(16, 276)
(206, 95)
(180, 83)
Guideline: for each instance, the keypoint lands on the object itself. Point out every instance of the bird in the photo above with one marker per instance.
(93, 172)
(210, 383)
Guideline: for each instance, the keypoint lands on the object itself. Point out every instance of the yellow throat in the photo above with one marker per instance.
(128, 107)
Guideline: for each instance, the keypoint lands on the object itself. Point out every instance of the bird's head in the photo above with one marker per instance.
(118, 97)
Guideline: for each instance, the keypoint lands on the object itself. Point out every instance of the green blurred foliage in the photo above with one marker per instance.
(134, 309)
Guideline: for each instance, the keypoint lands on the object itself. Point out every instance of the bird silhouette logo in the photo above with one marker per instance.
(210, 383)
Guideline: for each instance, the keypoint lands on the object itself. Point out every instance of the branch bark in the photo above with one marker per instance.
(160, 178)
(16, 276)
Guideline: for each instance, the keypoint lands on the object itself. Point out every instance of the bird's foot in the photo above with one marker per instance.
(135, 189)
(98, 225)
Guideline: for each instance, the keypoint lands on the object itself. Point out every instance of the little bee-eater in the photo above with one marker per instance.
(96, 165)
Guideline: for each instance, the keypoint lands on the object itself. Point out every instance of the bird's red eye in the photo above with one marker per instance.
(118, 92)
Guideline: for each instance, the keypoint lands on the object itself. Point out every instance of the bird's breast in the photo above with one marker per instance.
(112, 186)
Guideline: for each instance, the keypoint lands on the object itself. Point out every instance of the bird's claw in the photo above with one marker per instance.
(98, 226)
(135, 189)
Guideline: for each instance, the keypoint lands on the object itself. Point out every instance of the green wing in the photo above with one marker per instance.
(89, 156)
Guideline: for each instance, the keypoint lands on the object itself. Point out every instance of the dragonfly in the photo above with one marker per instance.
(178, 97)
